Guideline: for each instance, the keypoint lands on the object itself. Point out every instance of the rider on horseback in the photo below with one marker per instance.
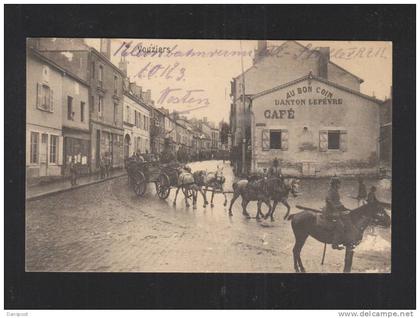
(335, 210)
(275, 170)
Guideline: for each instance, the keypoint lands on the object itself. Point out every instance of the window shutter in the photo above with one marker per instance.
(38, 95)
(60, 150)
(265, 140)
(51, 100)
(343, 140)
(284, 139)
(323, 140)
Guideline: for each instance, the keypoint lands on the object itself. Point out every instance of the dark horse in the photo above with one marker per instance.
(311, 223)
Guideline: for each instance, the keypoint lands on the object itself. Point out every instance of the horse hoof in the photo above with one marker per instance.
(225, 204)
(187, 205)
(212, 205)
(272, 219)
(194, 207)
(174, 203)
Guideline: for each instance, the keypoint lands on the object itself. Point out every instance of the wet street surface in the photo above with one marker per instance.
(105, 227)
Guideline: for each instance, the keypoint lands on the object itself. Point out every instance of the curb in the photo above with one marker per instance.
(51, 193)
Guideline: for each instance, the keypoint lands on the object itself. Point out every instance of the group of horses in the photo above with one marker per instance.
(277, 189)
(262, 190)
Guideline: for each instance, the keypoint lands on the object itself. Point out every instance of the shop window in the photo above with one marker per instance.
(53, 148)
(44, 98)
(34, 147)
(333, 140)
(70, 113)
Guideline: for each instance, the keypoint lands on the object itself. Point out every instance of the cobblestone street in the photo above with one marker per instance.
(105, 227)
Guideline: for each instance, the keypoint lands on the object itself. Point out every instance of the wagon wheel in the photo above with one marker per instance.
(163, 186)
(139, 184)
(187, 192)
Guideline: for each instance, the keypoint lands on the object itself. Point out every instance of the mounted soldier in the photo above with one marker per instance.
(275, 170)
(335, 211)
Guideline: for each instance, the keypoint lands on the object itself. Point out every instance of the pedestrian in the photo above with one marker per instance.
(107, 164)
(73, 172)
(102, 166)
(361, 193)
(371, 197)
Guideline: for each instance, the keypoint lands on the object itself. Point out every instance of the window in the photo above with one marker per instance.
(115, 113)
(92, 104)
(274, 139)
(135, 118)
(82, 111)
(127, 114)
(53, 148)
(115, 84)
(93, 70)
(144, 122)
(70, 114)
(100, 105)
(34, 147)
(101, 75)
(333, 139)
(44, 97)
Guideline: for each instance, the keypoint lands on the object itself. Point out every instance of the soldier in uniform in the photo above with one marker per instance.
(275, 170)
(371, 198)
(335, 210)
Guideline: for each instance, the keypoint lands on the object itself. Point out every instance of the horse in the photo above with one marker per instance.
(289, 186)
(187, 183)
(259, 190)
(214, 180)
(309, 223)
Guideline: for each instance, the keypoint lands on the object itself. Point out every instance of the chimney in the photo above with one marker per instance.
(324, 59)
(147, 96)
(105, 48)
(123, 65)
(260, 51)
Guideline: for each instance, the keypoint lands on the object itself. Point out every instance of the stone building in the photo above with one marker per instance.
(44, 97)
(105, 92)
(305, 110)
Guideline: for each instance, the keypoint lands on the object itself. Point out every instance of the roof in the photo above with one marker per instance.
(301, 45)
(319, 79)
(137, 100)
(61, 69)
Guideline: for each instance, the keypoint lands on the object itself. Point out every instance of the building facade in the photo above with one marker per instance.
(315, 128)
(44, 136)
(136, 122)
(274, 79)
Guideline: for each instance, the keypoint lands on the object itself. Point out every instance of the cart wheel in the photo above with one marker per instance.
(163, 187)
(187, 192)
(139, 184)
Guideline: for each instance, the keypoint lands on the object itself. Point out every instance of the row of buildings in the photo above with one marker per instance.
(80, 105)
(309, 113)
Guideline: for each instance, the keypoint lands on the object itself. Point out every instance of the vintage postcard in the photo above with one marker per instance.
(228, 156)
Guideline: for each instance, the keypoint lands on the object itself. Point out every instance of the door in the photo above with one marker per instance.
(126, 146)
(43, 156)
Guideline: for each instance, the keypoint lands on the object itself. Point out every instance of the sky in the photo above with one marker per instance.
(199, 86)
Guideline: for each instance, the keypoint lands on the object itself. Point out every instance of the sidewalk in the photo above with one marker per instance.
(38, 191)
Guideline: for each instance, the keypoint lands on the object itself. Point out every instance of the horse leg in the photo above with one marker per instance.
(176, 194)
(224, 194)
(194, 195)
(204, 196)
(300, 241)
(244, 211)
(258, 209)
(186, 188)
(235, 196)
(286, 204)
(348, 259)
(212, 196)
(272, 210)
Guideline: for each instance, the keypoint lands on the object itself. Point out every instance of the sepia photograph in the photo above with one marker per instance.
(208, 156)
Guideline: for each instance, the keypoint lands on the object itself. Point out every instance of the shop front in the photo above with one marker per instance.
(76, 145)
